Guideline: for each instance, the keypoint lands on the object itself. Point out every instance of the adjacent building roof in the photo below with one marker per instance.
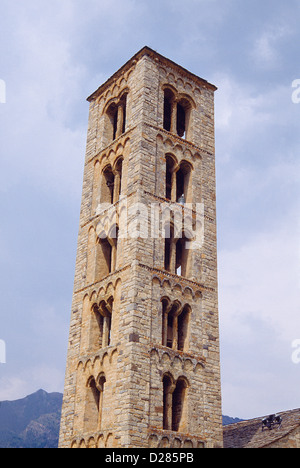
(251, 434)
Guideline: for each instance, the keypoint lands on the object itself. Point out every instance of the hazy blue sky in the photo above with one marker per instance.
(55, 54)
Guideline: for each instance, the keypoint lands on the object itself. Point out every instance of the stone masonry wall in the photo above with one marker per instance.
(123, 381)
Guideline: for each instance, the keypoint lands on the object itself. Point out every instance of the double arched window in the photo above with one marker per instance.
(115, 116)
(177, 253)
(107, 185)
(175, 325)
(177, 113)
(106, 253)
(111, 182)
(174, 403)
(102, 254)
(94, 403)
(178, 180)
(100, 332)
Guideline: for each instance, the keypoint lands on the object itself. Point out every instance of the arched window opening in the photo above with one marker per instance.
(105, 309)
(168, 106)
(101, 383)
(101, 323)
(177, 113)
(113, 241)
(118, 180)
(108, 183)
(108, 330)
(180, 186)
(183, 183)
(168, 320)
(96, 330)
(123, 105)
(170, 178)
(116, 117)
(104, 259)
(165, 305)
(178, 403)
(181, 121)
(183, 118)
(177, 255)
(178, 181)
(94, 404)
(91, 418)
(175, 325)
(170, 313)
(179, 248)
(183, 329)
(168, 388)
(106, 253)
(174, 404)
(112, 114)
(170, 331)
(168, 245)
(112, 183)
(168, 182)
(182, 257)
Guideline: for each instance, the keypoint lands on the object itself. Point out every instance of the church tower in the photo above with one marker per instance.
(143, 366)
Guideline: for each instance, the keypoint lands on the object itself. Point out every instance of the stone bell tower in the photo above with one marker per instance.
(143, 367)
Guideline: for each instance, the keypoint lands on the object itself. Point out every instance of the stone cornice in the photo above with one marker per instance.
(147, 51)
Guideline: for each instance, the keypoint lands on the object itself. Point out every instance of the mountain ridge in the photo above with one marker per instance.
(34, 421)
(31, 422)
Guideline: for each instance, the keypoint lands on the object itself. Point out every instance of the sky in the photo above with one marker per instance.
(55, 54)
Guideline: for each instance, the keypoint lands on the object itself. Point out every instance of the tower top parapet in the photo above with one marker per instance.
(147, 51)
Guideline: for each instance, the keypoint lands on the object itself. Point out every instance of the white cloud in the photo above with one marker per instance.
(256, 145)
(259, 296)
(12, 388)
(236, 103)
(31, 379)
(267, 47)
(259, 271)
(243, 109)
(41, 145)
(262, 278)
